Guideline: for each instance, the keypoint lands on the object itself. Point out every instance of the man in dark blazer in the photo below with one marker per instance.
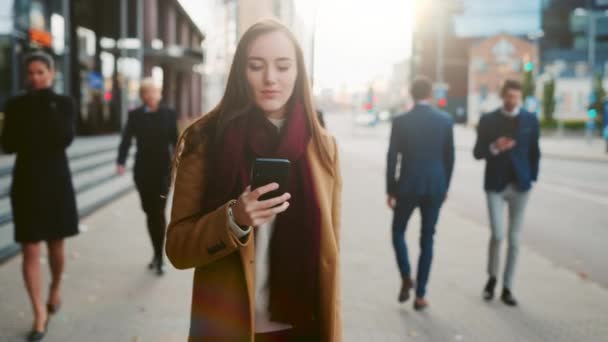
(154, 127)
(508, 140)
(423, 138)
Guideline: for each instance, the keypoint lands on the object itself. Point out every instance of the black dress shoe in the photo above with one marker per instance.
(36, 335)
(160, 269)
(488, 291)
(53, 308)
(406, 286)
(420, 304)
(507, 297)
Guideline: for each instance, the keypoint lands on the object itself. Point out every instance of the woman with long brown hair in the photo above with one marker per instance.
(265, 270)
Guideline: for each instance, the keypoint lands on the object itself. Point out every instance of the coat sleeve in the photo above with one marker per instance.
(448, 153)
(194, 239)
(11, 132)
(534, 153)
(337, 196)
(391, 160)
(126, 140)
(482, 145)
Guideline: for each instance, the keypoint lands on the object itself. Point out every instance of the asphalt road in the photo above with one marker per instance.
(567, 216)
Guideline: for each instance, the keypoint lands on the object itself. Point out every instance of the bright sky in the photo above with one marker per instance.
(358, 41)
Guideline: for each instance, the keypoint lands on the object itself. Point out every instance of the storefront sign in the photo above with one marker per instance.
(41, 37)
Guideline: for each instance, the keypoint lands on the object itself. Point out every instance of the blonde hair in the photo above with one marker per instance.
(147, 84)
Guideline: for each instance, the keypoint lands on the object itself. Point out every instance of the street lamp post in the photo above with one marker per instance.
(591, 37)
(439, 46)
(591, 33)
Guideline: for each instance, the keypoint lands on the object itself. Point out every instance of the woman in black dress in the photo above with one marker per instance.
(38, 127)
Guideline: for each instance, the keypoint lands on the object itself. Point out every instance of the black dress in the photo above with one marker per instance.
(155, 134)
(38, 126)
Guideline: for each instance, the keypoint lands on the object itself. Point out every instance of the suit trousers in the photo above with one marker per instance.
(153, 202)
(516, 201)
(429, 205)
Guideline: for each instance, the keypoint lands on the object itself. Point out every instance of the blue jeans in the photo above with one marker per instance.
(430, 206)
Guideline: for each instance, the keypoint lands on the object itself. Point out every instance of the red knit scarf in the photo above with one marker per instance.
(295, 243)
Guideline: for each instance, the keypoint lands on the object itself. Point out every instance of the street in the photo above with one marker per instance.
(110, 296)
(566, 219)
(94, 95)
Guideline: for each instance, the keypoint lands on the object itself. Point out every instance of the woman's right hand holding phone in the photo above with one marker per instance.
(249, 211)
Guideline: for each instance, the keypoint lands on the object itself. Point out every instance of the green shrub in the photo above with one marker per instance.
(570, 124)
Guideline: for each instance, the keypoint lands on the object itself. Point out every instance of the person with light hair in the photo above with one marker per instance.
(154, 127)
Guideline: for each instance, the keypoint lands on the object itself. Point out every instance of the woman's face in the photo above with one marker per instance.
(272, 72)
(39, 75)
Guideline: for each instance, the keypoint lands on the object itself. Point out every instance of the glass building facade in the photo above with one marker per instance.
(566, 41)
(31, 25)
(483, 18)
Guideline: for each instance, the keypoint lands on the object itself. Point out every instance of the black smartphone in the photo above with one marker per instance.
(266, 171)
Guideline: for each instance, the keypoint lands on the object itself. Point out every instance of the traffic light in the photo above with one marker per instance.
(592, 113)
(529, 66)
(370, 104)
(442, 102)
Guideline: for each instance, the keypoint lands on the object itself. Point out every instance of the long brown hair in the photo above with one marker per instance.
(237, 100)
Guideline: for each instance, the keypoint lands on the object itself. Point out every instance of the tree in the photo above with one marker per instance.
(528, 86)
(549, 100)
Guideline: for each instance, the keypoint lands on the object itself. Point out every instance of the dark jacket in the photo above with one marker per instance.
(156, 135)
(424, 139)
(38, 127)
(521, 162)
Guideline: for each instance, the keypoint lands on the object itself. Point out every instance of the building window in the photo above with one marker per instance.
(5, 69)
(483, 92)
(22, 15)
(231, 26)
(479, 64)
(276, 8)
(58, 33)
(580, 43)
(158, 75)
(38, 16)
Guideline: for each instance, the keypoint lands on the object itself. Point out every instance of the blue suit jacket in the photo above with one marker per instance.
(523, 158)
(425, 140)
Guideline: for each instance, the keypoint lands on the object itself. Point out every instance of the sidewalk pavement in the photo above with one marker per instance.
(109, 295)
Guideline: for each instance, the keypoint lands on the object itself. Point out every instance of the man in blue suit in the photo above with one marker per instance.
(423, 138)
(508, 140)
